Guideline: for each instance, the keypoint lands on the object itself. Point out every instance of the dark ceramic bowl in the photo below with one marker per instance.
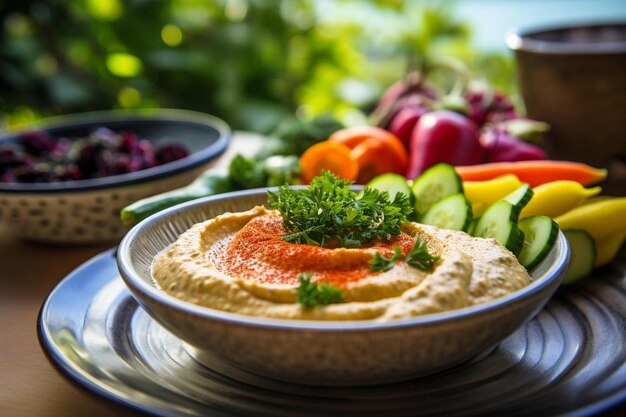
(573, 78)
(87, 211)
(322, 352)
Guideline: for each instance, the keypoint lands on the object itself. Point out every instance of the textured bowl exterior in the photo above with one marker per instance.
(87, 216)
(323, 353)
(88, 211)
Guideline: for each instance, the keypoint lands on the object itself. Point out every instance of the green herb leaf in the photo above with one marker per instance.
(382, 264)
(329, 213)
(420, 258)
(247, 173)
(312, 294)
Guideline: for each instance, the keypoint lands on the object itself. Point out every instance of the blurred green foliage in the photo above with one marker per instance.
(250, 62)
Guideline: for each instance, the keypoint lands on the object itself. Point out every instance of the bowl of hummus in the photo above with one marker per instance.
(224, 275)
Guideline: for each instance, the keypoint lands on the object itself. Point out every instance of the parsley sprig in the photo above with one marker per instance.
(329, 213)
(418, 258)
(311, 294)
(379, 263)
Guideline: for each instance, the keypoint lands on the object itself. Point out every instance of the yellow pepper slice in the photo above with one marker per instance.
(557, 197)
(607, 248)
(601, 219)
(484, 193)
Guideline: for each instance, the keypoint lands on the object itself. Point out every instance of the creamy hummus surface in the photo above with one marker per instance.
(237, 262)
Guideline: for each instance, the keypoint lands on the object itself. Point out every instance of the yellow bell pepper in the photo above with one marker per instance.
(596, 199)
(484, 193)
(557, 197)
(607, 248)
(600, 219)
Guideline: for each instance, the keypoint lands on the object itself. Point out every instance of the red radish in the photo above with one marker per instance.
(404, 121)
(443, 136)
(411, 88)
(501, 146)
(488, 106)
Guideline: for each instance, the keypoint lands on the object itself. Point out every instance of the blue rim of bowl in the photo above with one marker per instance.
(519, 40)
(115, 116)
(135, 283)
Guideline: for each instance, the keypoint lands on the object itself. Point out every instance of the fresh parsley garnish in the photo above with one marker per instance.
(311, 294)
(382, 264)
(328, 213)
(419, 258)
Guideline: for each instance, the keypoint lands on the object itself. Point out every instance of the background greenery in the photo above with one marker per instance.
(250, 62)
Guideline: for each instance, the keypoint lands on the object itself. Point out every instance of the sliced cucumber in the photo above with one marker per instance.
(540, 234)
(435, 183)
(583, 255)
(453, 212)
(519, 198)
(498, 222)
(393, 184)
(472, 227)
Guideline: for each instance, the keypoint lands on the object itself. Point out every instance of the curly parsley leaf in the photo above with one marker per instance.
(311, 294)
(328, 213)
(379, 263)
(420, 258)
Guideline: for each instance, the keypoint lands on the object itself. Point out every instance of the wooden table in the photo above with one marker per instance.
(29, 385)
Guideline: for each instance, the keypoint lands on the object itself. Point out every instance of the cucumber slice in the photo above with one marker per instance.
(583, 255)
(497, 223)
(393, 184)
(540, 234)
(435, 183)
(519, 198)
(453, 212)
(472, 227)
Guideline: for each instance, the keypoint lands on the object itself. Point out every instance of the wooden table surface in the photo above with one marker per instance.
(29, 385)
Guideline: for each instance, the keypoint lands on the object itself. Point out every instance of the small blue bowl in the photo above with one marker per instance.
(87, 211)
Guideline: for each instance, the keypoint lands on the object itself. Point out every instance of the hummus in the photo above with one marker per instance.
(237, 262)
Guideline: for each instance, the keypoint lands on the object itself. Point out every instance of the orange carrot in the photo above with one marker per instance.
(363, 140)
(374, 158)
(329, 156)
(534, 172)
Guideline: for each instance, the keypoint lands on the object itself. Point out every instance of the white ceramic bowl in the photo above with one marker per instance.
(88, 211)
(312, 352)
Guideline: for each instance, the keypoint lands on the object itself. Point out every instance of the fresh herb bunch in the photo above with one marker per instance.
(418, 258)
(329, 213)
(311, 294)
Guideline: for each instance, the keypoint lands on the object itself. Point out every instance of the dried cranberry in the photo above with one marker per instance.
(146, 154)
(37, 143)
(8, 177)
(170, 152)
(129, 142)
(31, 173)
(86, 161)
(9, 158)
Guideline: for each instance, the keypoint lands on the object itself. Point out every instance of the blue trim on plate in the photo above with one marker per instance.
(57, 359)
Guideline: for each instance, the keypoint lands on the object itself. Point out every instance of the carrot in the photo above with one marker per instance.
(329, 156)
(534, 172)
(374, 158)
(363, 139)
